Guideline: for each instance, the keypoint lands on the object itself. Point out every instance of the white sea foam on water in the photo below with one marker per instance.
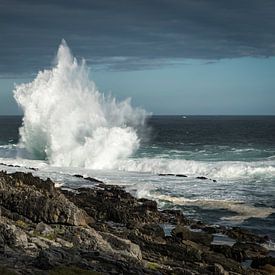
(244, 211)
(70, 123)
(213, 169)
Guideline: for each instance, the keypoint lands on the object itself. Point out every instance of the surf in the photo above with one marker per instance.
(68, 122)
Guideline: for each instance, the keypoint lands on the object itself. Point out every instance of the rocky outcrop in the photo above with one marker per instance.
(38, 200)
(105, 230)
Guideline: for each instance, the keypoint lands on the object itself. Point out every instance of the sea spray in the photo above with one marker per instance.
(70, 123)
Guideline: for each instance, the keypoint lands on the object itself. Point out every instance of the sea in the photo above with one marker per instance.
(217, 169)
(235, 155)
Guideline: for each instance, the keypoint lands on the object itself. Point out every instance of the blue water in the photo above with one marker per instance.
(237, 152)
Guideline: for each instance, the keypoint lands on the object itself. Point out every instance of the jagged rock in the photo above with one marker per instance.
(41, 232)
(227, 263)
(235, 254)
(251, 250)
(183, 233)
(244, 235)
(155, 231)
(12, 235)
(38, 200)
(112, 203)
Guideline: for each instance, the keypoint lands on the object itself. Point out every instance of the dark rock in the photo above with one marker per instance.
(260, 262)
(244, 235)
(202, 178)
(251, 250)
(93, 180)
(112, 203)
(153, 230)
(40, 233)
(49, 258)
(183, 233)
(38, 200)
(229, 252)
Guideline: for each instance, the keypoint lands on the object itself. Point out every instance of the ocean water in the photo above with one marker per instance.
(69, 127)
(237, 152)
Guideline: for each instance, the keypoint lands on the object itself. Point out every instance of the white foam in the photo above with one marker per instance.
(211, 169)
(70, 123)
(244, 211)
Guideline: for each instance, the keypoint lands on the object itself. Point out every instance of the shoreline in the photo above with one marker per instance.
(44, 229)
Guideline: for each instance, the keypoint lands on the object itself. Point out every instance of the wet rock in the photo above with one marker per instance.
(184, 233)
(228, 264)
(261, 262)
(202, 178)
(181, 176)
(175, 175)
(250, 250)
(38, 200)
(244, 235)
(155, 231)
(127, 235)
(112, 203)
(174, 217)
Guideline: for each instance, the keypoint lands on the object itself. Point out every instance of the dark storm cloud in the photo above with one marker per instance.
(133, 34)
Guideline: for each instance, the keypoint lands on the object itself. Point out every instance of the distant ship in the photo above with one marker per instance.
(184, 116)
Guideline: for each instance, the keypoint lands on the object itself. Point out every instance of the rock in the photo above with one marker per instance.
(173, 216)
(12, 235)
(183, 233)
(38, 200)
(261, 262)
(55, 256)
(123, 246)
(44, 229)
(219, 270)
(227, 263)
(41, 232)
(244, 235)
(229, 252)
(250, 250)
(202, 178)
(112, 203)
(155, 231)
(40, 243)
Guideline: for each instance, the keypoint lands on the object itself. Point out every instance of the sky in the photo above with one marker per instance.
(193, 57)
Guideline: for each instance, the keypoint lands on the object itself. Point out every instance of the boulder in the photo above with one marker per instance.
(38, 200)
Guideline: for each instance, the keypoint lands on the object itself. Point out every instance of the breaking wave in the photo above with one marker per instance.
(214, 169)
(68, 122)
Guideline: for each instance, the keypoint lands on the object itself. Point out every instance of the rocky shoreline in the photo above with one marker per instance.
(105, 230)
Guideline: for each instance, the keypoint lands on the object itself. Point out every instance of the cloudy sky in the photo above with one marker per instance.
(170, 56)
